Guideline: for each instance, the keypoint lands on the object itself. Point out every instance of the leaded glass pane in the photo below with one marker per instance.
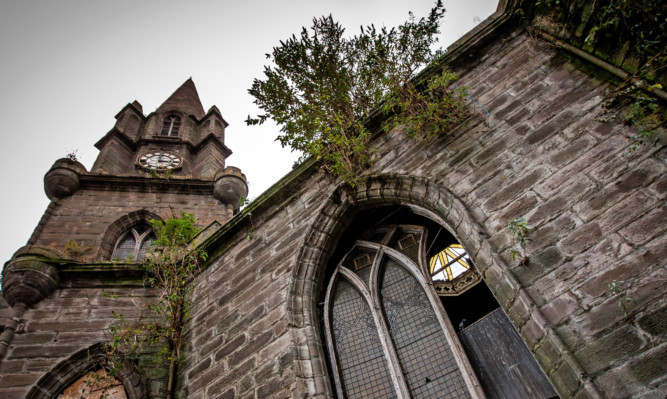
(362, 363)
(430, 368)
(145, 245)
(125, 247)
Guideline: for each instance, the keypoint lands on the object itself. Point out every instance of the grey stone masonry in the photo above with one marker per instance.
(589, 303)
(596, 210)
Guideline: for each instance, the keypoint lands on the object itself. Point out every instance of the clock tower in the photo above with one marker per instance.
(149, 167)
(178, 137)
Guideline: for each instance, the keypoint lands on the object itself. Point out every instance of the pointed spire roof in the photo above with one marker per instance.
(185, 99)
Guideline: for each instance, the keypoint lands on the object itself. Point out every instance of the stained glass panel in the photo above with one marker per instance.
(449, 263)
(362, 363)
(430, 368)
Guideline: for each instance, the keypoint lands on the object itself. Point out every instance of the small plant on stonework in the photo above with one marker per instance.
(170, 265)
(153, 174)
(646, 115)
(75, 250)
(72, 155)
(243, 202)
(521, 233)
(625, 303)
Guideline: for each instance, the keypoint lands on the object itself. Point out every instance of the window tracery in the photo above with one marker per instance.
(134, 243)
(389, 335)
(452, 272)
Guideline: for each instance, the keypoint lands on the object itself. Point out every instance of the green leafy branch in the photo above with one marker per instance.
(170, 266)
(323, 87)
(521, 234)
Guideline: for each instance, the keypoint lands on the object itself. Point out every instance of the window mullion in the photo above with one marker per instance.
(370, 294)
(328, 328)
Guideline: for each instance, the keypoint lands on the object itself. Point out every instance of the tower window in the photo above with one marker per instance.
(170, 126)
(134, 243)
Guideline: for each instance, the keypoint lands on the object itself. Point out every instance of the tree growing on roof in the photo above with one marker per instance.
(323, 88)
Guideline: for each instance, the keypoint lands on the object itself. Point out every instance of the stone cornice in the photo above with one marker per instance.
(142, 183)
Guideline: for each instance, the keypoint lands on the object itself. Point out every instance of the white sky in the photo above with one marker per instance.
(69, 66)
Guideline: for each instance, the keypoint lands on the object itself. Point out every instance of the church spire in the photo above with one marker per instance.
(184, 99)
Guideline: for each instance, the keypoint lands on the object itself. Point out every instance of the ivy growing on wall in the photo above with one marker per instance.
(170, 266)
(627, 33)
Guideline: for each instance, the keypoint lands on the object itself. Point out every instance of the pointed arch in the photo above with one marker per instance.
(77, 365)
(425, 198)
(120, 227)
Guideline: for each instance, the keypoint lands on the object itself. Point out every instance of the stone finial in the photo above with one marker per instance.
(28, 279)
(62, 179)
(230, 186)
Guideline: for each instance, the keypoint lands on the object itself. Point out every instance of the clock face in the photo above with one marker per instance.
(159, 160)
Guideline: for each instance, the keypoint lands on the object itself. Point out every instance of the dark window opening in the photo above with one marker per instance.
(171, 126)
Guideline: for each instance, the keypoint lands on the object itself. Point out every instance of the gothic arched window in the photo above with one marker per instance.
(390, 336)
(95, 384)
(134, 243)
(407, 315)
(171, 125)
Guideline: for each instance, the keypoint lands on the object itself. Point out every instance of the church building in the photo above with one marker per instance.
(406, 285)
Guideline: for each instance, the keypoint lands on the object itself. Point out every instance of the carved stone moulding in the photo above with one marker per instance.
(62, 179)
(29, 277)
(230, 186)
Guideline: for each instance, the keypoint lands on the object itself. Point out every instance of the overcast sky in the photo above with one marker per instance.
(68, 66)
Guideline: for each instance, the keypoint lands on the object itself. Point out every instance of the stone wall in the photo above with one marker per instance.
(531, 149)
(55, 341)
(596, 210)
(86, 216)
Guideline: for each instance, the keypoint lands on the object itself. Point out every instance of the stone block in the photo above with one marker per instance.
(19, 380)
(249, 348)
(512, 190)
(646, 227)
(609, 349)
(581, 239)
(547, 355)
(642, 374)
(654, 323)
(559, 309)
(229, 347)
(548, 129)
(565, 380)
(538, 265)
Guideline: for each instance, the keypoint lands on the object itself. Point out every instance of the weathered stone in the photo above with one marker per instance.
(601, 353)
(28, 280)
(654, 323)
(62, 179)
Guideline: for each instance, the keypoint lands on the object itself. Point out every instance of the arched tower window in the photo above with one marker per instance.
(134, 243)
(171, 125)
